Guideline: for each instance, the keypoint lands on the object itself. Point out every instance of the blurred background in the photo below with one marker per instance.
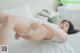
(68, 9)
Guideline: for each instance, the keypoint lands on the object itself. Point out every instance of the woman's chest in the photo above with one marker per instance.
(23, 27)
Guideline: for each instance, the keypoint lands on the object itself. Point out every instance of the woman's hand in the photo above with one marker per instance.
(17, 36)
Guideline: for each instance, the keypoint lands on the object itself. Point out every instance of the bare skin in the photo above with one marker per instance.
(20, 25)
(48, 35)
(11, 22)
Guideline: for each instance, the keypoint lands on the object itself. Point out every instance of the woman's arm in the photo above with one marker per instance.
(59, 33)
(49, 33)
(39, 33)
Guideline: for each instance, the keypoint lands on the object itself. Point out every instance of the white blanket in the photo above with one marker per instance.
(72, 45)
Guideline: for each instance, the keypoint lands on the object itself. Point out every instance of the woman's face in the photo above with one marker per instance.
(64, 26)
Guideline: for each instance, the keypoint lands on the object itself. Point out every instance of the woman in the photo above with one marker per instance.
(54, 44)
(49, 37)
(28, 27)
(65, 25)
(68, 27)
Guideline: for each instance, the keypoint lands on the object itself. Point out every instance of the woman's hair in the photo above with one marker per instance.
(71, 29)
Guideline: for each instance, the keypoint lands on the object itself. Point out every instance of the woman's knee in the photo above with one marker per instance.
(3, 16)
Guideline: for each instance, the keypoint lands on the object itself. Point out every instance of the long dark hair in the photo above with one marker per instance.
(71, 29)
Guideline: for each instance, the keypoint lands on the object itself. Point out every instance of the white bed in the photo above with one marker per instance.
(72, 45)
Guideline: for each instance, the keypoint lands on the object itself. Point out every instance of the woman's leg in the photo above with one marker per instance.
(6, 29)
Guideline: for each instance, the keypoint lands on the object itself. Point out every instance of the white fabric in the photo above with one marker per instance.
(72, 45)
